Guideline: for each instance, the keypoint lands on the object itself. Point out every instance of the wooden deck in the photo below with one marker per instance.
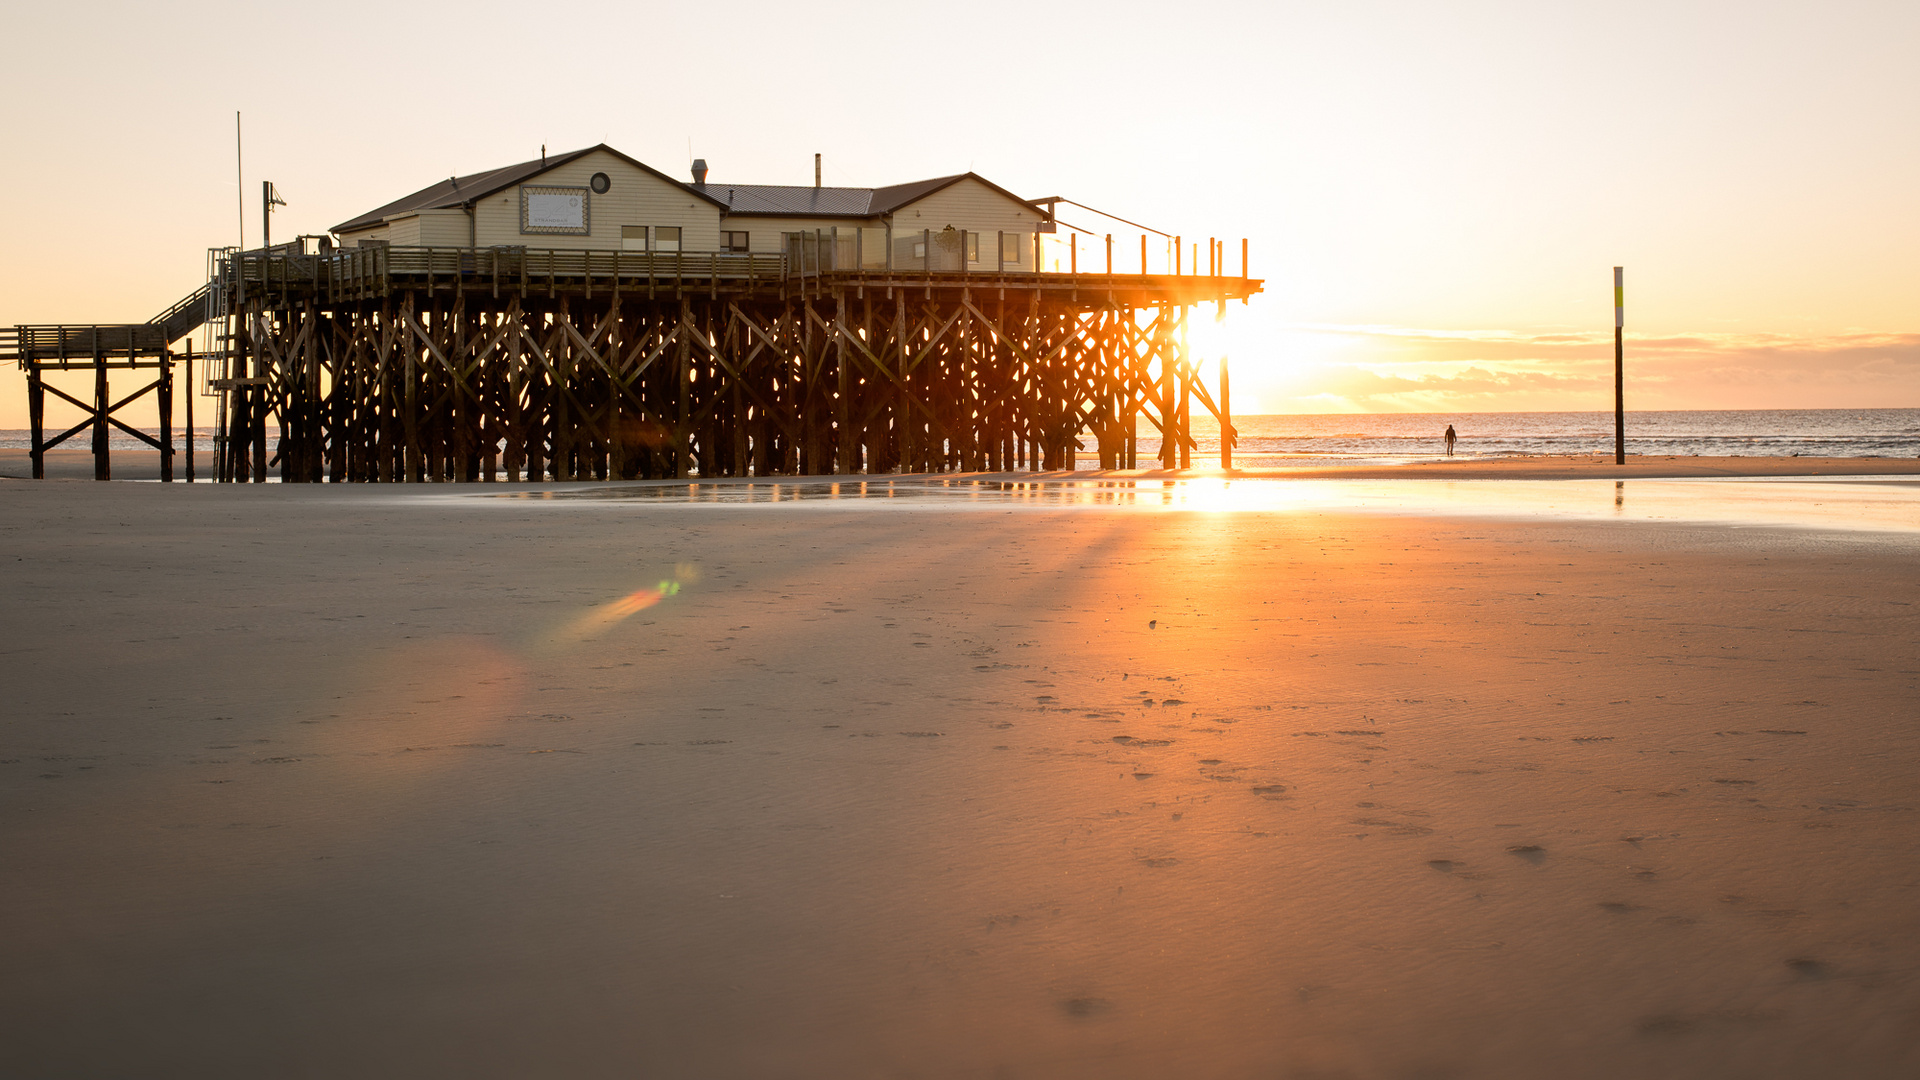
(360, 274)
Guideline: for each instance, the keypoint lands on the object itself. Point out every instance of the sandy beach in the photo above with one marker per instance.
(422, 781)
(68, 464)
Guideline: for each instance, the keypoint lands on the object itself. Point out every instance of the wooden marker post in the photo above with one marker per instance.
(1619, 367)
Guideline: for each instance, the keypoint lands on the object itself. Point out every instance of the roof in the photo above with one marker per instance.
(736, 199)
(791, 201)
(458, 191)
(794, 201)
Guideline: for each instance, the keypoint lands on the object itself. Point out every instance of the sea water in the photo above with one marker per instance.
(1362, 438)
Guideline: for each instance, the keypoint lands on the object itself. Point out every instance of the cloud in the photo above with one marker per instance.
(1372, 368)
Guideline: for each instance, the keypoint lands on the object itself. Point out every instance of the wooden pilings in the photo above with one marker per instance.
(102, 461)
(423, 386)
(433, 364)
(36, 418)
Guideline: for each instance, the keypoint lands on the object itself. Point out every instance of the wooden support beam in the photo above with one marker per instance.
(102, 463)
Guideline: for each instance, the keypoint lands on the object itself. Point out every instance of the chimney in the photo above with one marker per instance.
(700, 172)
(816, 170)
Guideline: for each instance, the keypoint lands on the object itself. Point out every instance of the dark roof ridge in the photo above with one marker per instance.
(894, 196)
(789, 200)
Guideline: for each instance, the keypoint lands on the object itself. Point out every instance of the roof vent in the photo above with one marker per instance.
(700, 172)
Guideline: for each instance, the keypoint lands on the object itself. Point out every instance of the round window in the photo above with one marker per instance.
(600, 183)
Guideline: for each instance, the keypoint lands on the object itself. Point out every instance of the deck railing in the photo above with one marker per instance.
(70, 345)
(364, 271)
(908, 251)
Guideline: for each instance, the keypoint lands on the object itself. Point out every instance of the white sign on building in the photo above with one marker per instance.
(553, 210)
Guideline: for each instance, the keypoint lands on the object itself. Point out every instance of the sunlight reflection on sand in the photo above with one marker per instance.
(1876, 504)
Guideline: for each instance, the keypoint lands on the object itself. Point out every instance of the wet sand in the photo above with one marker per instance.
(72, 464)
(325, 781)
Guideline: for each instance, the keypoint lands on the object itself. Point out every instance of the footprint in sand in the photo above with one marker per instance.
(1533, 853)
(1809, 970)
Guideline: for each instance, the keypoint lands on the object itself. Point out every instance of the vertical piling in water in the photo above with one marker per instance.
(36, 416)
(164, 394)
(1226, 416)
(1185, 416)
(189, 360)
(102, 464)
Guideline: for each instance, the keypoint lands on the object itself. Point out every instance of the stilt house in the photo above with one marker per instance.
(599, 199)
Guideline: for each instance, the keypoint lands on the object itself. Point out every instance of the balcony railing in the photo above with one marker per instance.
(364, 271)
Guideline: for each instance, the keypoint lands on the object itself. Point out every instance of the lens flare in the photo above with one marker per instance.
(638, 600)
(612, 613)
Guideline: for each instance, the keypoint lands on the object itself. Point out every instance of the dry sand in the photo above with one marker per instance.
(343, 781)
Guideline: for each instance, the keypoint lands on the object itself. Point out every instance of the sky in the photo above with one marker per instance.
(1434, 194)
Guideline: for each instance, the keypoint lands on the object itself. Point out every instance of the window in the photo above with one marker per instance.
(1010, 244)
(733, 241)
(973, 246)
(666, 238)
(633, 238)
(599, 183)
(919, 249)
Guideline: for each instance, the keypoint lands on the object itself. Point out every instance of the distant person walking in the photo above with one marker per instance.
(1451, 438)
